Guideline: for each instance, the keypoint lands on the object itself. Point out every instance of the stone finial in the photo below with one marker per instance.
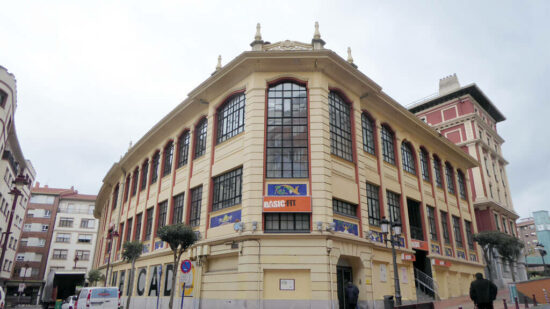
(317, 42)
(448, 84)
(258, 43)
(350, 58)
(219, 65)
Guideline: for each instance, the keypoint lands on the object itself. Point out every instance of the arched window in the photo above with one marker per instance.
(231, 118)
(200, 138)
(437, 172)
(135, 177)
(407, 158)
(183, 149)
(167, 162)
(461, 184)
(127, 188)
(155, 167)
(115, 196)
(368, 133)
(388, 148)
(424, 165)
(450, 175)
(287, 131)
(144, 173)
(340, 127)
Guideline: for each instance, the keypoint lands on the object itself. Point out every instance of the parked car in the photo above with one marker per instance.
(98, 298)
(69, 302)
(2, 298)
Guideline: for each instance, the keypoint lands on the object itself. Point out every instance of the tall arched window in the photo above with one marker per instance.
(424, 165)
(450, 178)
(407, 158)
(231, 118)
(388, 148)
(183, 149)
(115, 196)
(200, 138)
(135, 178)
(437, 172)
(144, 172)
(167, 162)
(287, 132)
(155, 167)
(368, 133)
(340, 127)
(461, 184)
(127, 188)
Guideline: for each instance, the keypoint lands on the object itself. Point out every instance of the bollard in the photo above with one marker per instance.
(534, 300)
(517, 302)
(526, 302)
(504, 302)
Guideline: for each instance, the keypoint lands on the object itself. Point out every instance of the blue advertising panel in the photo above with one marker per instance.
(227, 218)
(346, 227)
(286, 189)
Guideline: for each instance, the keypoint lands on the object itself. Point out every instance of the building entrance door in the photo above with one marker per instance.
(423, 273)
(343, 275)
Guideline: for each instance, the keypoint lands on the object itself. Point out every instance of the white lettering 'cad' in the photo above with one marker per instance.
(274, 204)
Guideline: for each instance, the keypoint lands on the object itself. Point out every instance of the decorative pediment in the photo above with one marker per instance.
(288, 45)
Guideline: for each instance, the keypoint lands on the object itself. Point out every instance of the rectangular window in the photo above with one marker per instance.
(424, 165)
(368, 133)
(87, 223)
(445, 228)
(149, 223)
(340, 127)
(127, 188)
(45, 227)
(183, 149)
(504, 225)
(388, 149)
(135, 179)
(469, 234)
(287, 132)
(137, 235)
(457, 233)
(121, 231)
(163, 209)
(394, 206)
(344, 208)
(196, 201)
(200, 138)
(85, 238)
(178, 203)
(231, 118)
(287, 222)
(374, 204)
(82, 255)
(227, 189)
(129, 225)
(63, 237)
(66, 222)
(497, 222)
(450, 179)
(168, 154)
(155, 167)
(59, 254)
(415, 220)
(432, 223)
(461, 185)
(437, 173)
(144, 172)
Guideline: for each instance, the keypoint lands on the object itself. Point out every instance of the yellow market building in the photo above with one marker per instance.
(285, 161)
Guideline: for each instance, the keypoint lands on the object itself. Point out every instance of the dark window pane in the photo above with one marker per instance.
(227, 189)
(340, 127)
(177, 217)
(183, 149)
(368, 134)
(374, 204)
(408, 158)
(200, 138)
(196, 201)
(231, 118)
(388, 148)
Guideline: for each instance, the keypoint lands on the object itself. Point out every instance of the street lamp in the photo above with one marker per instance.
(19, 183)
(110, 235)
(394, 229)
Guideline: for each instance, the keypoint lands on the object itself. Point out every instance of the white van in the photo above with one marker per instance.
(98, 298)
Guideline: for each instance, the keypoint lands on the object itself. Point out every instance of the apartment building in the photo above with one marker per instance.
(285, 161)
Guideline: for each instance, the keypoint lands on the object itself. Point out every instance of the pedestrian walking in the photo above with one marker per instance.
(352, 294)
(483, 292)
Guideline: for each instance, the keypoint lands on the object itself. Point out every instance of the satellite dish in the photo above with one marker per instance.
(238, 226)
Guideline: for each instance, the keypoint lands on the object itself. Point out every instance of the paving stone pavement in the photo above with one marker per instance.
(466, 303)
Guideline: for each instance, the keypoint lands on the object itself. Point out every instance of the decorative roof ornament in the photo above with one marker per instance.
(219, 65)
(258, 43)
(350, 58)
(317, 42)
(287, 45)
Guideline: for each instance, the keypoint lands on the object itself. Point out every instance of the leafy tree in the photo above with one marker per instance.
(489, 241)
(509, 248)
(94, 276)
(179, 237)
(131, 252)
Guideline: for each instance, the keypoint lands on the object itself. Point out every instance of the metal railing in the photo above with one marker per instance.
(426, 283)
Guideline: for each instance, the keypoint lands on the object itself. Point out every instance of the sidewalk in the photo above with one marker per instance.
(466, 303)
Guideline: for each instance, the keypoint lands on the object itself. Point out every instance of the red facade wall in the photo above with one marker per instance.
(456, 134)
(484, 220)
(434, 117)
(449, 113)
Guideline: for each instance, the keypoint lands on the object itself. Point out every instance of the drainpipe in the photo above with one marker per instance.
(259, 271)
(329, 250)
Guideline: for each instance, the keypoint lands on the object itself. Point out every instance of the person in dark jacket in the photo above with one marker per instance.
(352, 294)
(483, 292)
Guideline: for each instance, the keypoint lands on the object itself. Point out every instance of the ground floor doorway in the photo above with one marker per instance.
(344, 274)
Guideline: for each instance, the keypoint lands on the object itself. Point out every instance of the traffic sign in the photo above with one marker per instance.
(21, 287)
(186, 266)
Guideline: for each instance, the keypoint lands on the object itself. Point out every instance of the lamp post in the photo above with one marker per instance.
(394, 229)
(19, 182)
(110, 235)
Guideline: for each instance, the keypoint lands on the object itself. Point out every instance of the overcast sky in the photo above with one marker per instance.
(94, 75)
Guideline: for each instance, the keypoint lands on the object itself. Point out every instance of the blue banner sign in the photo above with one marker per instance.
(286, 189)
(230, 217)
(346, 227)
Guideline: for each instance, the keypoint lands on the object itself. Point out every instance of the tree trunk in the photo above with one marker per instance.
(512, 270)
(130, 284)
(488, 261)
(174, 273)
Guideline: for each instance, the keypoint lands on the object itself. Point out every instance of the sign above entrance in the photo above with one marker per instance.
(439, 262)
(287, 204)
(408, 257)
(286, 189)
(419, 244)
